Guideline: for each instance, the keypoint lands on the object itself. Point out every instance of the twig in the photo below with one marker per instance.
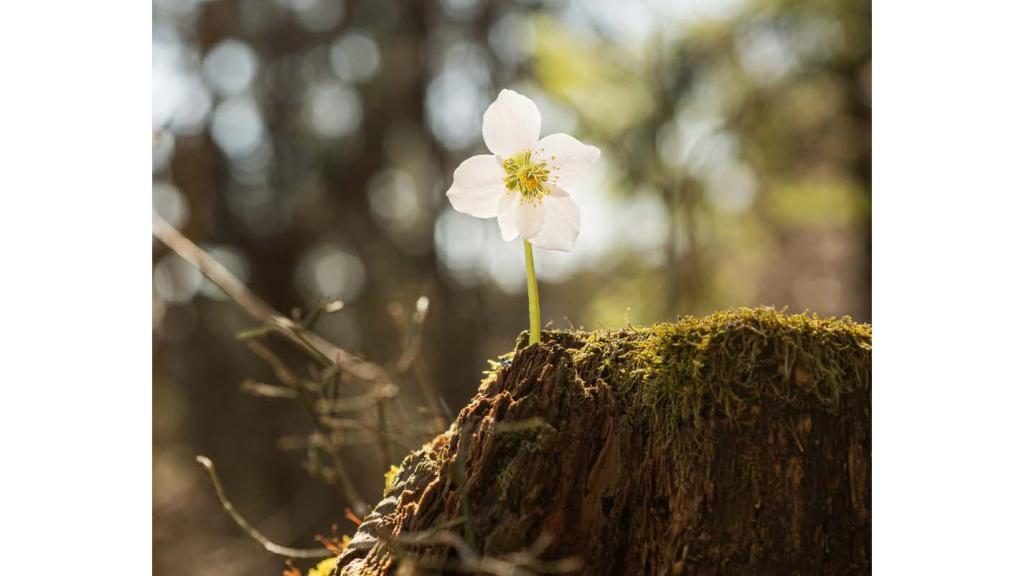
(268, 390)
(383, 445)
(358, 403)
(359, 434)
(409, 359)
(249, 529)
(413, 332)
(259, 310)
(287, 378)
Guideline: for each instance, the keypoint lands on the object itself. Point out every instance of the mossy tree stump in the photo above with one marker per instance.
(734, 444)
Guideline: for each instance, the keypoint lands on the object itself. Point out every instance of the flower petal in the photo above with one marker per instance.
(477, 186)
(570, 160)
(511, 124)
(507, 216)
(561, 224)
(529, 218)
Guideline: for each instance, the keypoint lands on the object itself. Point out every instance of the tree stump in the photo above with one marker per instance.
(738, 443)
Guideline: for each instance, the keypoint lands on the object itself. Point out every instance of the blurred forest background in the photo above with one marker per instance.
(307, 146)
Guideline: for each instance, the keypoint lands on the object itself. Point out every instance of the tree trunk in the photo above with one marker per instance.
(734, 444)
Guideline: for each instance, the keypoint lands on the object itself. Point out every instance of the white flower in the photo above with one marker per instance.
(524, 183)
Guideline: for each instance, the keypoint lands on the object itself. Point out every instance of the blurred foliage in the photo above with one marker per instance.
(307, 145)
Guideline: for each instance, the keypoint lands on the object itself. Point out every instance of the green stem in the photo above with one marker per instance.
(531, 292)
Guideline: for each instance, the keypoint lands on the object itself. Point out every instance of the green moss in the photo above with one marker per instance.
(725, 364)
(521, 439)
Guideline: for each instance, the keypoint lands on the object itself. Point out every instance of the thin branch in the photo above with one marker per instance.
(358, 403)
(383, 445)
(255, 388)
(289, 379)
(412, 329)
(249, 529)
(259, 310)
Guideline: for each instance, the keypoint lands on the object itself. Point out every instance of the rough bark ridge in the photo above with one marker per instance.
(733, 444)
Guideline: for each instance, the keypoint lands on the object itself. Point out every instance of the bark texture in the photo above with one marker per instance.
(734, 444)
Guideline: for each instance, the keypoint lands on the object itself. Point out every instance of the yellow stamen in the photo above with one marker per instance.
(527, 177)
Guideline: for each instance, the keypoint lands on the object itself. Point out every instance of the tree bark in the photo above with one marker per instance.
(744, 448)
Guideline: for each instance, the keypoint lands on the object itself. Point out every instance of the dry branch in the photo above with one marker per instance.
(259, 310)
(251, 530)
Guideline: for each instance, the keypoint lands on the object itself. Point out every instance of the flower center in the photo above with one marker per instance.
(527, 177)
